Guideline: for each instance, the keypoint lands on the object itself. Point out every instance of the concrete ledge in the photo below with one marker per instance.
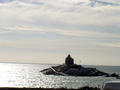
(14, 88)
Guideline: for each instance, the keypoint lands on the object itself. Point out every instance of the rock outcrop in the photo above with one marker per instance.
(71, 69)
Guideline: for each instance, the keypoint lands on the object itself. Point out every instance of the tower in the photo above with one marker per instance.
(69, 60)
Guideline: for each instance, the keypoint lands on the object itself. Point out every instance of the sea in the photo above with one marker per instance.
(29, 75)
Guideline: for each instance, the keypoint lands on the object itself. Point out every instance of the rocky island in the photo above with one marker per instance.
(71, 69)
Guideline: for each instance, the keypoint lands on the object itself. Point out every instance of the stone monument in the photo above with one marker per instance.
(69, 60)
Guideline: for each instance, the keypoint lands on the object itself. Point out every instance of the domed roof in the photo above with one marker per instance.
(69, 60)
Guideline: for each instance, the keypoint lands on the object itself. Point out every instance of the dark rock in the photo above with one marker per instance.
(114, 75)
(71, 69)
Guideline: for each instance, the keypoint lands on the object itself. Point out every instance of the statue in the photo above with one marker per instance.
(69, 60)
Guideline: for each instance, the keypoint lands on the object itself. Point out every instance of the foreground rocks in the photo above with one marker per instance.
(82, 88)
(71, 69)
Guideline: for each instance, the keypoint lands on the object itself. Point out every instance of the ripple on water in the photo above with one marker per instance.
(28, 75)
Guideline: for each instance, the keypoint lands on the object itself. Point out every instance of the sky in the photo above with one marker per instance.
(46, 31)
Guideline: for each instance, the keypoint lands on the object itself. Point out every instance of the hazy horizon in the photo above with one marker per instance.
(46, 31)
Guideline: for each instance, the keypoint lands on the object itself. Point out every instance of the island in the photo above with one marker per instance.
(71, 69)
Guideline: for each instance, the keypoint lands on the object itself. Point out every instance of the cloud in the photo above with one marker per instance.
(87, 33)
(58, 13)
(109, 44)
(5, 1)
(64, 17)
(102, 3)
(73, 33)
(50, 27)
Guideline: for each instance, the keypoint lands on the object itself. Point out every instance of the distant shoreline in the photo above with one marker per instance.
(56, 64)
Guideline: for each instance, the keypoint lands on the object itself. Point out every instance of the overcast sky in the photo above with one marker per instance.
(45, 31)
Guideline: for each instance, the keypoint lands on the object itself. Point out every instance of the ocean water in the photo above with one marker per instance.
(29, 75)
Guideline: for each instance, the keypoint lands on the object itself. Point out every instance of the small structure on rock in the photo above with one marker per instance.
(71, 69)
(69, 60)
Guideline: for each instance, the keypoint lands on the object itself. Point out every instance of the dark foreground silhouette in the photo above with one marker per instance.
(71, 69)
(82, 88)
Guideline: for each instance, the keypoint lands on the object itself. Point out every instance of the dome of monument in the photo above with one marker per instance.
(69, 60)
